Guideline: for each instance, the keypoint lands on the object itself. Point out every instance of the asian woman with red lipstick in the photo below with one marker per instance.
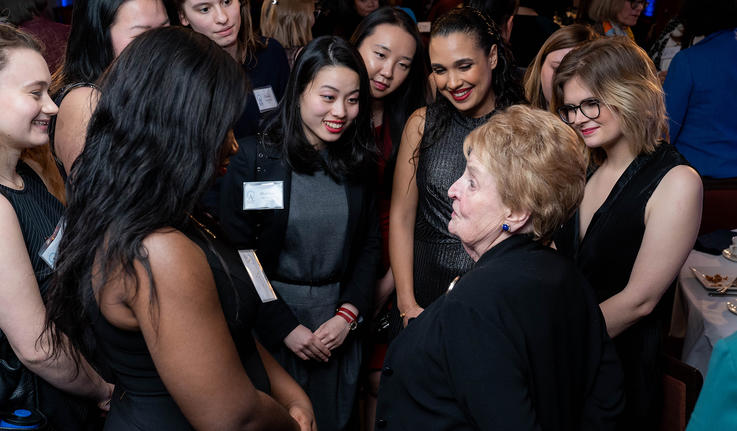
(641, 208)
(474, 74)
(299, 194)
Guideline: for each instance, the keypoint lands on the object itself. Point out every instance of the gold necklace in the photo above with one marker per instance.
(13, 184)
(202, 226)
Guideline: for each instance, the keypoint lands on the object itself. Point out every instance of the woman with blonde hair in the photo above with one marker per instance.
(538, 80)
(641, 209)
(290, 23)
(483, 355)
(616, 17)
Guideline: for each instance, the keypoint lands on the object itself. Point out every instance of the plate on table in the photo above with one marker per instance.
(727, 253)
(712, 280)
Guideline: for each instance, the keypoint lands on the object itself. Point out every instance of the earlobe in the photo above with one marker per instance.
(516, 220)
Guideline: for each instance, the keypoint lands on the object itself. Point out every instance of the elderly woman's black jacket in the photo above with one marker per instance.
(518, 344)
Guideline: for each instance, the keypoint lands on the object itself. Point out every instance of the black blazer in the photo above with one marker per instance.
(264, 230)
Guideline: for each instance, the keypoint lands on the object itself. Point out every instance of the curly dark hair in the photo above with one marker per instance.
(505, 80)
(152, 149)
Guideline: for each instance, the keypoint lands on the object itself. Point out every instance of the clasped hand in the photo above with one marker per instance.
(317, 346)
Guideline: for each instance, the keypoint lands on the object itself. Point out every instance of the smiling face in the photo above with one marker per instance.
(629, 13)
(463, 72)
(328, 104)
(478, 211)
(219, 20)
(27, 107)
(552, 60)
(133, 18)
(603, 132)
(387, 53)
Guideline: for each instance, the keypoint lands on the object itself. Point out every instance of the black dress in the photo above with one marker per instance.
(518, 344)
(439, 256)
(606, 256)
(140, 400)
(38, 213)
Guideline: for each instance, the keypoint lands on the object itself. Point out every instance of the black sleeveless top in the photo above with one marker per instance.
(606, 256)
(38, 213)
(141, 400)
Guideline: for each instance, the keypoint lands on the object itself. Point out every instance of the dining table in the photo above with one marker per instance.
(700, 318)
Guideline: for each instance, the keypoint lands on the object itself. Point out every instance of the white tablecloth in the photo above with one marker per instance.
(707, 318)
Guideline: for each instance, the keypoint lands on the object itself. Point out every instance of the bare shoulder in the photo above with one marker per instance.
(680, 183)
(84, 98)
(177, 263)
(416, 121)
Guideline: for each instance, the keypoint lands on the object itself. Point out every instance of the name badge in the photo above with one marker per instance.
(263, 195)
(256, 272)
(265, 98)
(51, 246)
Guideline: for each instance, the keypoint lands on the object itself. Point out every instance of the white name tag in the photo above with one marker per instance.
(265, 98)
(256, 272)
(424, 26)
(263, 195)
(50, 247)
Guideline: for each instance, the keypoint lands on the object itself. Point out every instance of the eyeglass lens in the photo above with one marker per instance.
(589, 108)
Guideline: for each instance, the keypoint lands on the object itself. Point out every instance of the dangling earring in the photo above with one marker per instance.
(505, 227)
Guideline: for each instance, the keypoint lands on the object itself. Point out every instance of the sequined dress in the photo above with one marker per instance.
(439, 256)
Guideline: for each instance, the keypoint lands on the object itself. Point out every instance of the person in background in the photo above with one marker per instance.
(290, 23)
(475, 76)
(396, 61)
(519, 343)
(538, 79)
(530, 31)
(701, 90)
(300, 195)
(714, 409)
(134, 269)
(615, 17)
(640, 212)
(29, 214)
(228, 23)
(501, 13)
(101, 29)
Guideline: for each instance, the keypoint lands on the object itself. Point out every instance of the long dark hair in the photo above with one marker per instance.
(153, 145)
(504, 80)
(353, 153)
(89, 47)
(414, 91)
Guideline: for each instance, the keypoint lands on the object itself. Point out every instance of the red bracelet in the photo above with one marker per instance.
(348, 312)
(345, 317)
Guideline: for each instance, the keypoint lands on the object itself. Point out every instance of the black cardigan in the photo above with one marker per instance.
(264, 230)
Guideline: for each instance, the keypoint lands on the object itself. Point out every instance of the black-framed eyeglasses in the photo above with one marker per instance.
(588, 107)
(635, 3)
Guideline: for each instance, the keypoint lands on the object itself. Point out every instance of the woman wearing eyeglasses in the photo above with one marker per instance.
(615, 17)
(641, 208)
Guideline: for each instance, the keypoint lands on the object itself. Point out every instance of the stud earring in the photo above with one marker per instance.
(505, 227)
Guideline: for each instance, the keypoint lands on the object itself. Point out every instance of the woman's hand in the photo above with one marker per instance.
(410, 312)
(332, 333)
(306, 345)
(103, 403)
(304, 416)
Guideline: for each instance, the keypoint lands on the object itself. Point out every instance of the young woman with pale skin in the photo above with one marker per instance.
(100, 31)
(641, 208)
(473, 74)
(28, 215)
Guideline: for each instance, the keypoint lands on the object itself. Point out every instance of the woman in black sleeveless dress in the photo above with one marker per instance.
(474, 75)
(641, 208)
(135, 263)
(28, 216)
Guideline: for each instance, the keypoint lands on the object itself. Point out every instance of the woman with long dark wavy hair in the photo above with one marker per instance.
(101, 29)
(475, 76)
(299, 194)
(134, 263)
